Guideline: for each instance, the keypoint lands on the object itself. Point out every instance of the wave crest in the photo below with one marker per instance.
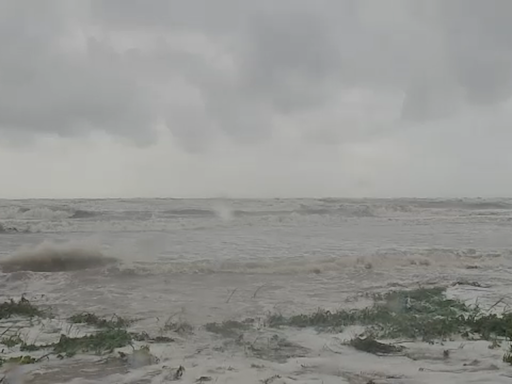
(45, 213)
(8, 229)
(49, 257)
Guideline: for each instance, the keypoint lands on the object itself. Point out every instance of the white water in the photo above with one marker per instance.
(215, 260)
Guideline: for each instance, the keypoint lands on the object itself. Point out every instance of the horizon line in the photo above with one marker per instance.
(258, 198)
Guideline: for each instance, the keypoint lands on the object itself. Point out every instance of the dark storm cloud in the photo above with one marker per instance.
(294, 55)
(46, 86)
(284, 57)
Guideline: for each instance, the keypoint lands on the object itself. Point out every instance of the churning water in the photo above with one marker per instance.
(203, 261)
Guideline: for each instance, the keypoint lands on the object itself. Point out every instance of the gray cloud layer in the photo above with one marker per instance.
(233, 67)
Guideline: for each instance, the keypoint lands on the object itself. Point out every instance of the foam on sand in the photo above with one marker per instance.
(50, 257)
(255, 351)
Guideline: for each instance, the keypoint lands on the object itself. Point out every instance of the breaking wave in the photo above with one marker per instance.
(44, 213)
(406, 205)
(211, 209)
(189, 212)
(50, 257)
(346, 210)
(465, 204)
(81, 214)
(7, 229)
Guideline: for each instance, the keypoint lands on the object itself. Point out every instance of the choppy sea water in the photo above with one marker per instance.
(218, 259)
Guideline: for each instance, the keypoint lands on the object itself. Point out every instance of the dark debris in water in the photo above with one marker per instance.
(181, 328)
(276, 349)
(370, 345)
(228, 328)
(204, 379)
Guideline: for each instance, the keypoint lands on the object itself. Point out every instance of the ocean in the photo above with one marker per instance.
(198, 262)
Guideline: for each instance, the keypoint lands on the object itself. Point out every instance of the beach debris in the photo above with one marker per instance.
(271, 379)
(179, 372)
(370, 345)
(204, 379)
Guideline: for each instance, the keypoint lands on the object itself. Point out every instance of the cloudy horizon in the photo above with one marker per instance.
(291, 98)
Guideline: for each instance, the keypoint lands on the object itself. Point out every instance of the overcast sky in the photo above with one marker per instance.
(268, 98)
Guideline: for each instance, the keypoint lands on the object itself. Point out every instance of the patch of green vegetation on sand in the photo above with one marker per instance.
(11, 341)
(22, 307)
(100, 322)
(18, 360)
(425, 314)
(104, 341)
(112, 333)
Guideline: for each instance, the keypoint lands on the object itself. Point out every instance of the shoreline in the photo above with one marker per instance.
(428, 329)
